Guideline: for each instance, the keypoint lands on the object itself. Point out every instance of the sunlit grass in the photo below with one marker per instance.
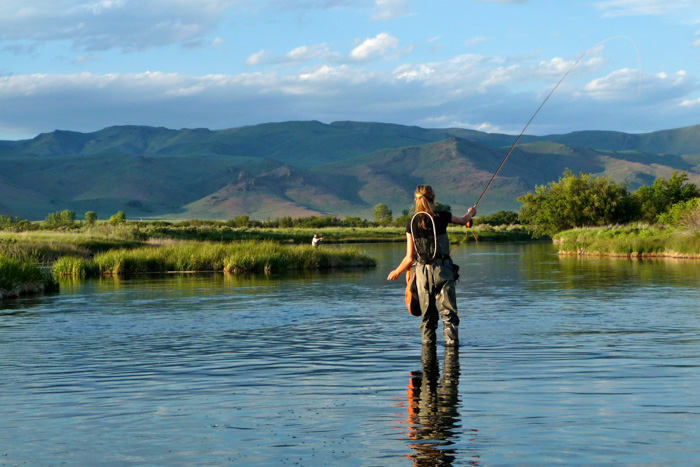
(213, 256)
(629, 240)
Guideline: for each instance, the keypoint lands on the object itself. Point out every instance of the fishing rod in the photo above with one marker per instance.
(517, 140)
(515, 143)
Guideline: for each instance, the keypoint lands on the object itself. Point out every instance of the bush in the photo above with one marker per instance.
(118, 218)
(90, 217)
(499, 218)
(575, 201)
(657, 199)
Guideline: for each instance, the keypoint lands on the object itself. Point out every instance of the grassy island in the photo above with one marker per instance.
(22, 278)
(633, 240)
(177, 256)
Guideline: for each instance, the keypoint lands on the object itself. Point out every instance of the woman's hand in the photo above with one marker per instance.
(393, 275)
(471, 212)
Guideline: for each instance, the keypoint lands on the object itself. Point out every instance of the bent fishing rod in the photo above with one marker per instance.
(517, 140)
(515, 143)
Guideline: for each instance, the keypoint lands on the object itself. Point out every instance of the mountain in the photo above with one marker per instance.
(310, 168)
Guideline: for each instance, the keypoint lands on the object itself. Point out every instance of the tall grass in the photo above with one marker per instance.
(45, 247)
(18, 277)
(210, 256)
(629, 240)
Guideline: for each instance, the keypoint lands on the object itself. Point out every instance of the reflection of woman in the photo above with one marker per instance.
(434, 272)
(432, 408)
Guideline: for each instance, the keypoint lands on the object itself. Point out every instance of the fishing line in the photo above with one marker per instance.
(515, 143)
(510, 151)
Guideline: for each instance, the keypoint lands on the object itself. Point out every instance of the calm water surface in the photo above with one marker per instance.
(563, 361)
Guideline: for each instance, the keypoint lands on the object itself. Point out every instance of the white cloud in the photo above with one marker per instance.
(390, 9)
(107, 24)
(476, 91)
(381, 46)
(258, 58)
(613, 8)
(690, 103)
(306, 53)
(624, 85)
(298, 55)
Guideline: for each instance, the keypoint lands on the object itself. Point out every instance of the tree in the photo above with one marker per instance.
(442, 207)
(90, 217)
(499, 218)
(658, 198)
(118, 218)
(575, 201)
(63, 218)
(382, 214)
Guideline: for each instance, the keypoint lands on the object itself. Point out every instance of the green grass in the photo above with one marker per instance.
(210, 256)
(629, 240)
(46, 246)
(19, 278)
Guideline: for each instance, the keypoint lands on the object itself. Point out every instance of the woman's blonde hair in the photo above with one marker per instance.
(425, 201)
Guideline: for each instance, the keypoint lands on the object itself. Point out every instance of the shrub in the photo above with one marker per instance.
(90, 217)
(118, 218)
(657, 199)
(575, 201)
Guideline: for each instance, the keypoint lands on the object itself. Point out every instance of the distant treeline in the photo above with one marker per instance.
(67, 220)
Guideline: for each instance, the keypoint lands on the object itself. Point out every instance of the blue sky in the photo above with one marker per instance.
(83, 65)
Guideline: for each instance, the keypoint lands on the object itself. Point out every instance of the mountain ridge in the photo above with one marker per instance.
(310, 168)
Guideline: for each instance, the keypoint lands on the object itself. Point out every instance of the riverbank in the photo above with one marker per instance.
(238, 257)
(47, 246)
(633, 240)
(23, 278)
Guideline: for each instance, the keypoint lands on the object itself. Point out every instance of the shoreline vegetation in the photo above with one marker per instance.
(83, 249)
(242, 257)
(85, 241)
(20, 278)
(630, 241)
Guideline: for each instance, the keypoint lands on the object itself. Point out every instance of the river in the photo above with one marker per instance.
(565, 361)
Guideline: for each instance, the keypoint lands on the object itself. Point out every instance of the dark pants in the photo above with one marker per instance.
(438, 298)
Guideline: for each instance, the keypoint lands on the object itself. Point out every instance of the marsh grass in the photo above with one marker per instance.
(19, 278)
(45, 247)
(629, 240)
(211, 256)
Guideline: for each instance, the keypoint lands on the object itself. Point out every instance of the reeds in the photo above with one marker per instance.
(211, 256)
(629, 240)
(18, 278)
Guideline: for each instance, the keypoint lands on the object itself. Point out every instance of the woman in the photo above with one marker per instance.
(434, 271)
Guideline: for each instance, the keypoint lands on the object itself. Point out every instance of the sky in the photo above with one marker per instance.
(83, 65)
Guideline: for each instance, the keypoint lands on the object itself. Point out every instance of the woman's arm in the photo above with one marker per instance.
(465, 218)
(406, 262)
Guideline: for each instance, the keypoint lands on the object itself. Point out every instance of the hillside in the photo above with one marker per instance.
(311, 168)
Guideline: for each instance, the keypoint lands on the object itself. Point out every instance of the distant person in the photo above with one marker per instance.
(428, 252)
(316, 240)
